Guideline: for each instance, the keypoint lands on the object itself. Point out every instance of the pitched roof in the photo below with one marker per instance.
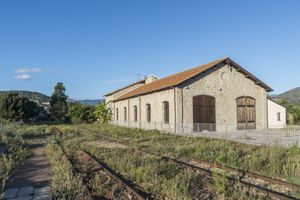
(176, 79)
(270, 99)
(127, 86)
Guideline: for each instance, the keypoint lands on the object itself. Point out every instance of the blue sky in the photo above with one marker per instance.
(96, 46)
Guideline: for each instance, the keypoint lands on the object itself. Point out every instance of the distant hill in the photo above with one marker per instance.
(33, 96)
(292, 96)
(42, 98)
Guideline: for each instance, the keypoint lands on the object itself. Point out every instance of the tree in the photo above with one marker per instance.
(74, 112)
(87, 115)
(16, 108)
(103, 113)
(58, 104)
(295, 112)
(285, 103)
(79, 113)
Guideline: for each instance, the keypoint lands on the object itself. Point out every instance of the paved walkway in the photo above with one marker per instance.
(31, 180)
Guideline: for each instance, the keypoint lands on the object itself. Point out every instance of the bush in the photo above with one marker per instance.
(79, 113)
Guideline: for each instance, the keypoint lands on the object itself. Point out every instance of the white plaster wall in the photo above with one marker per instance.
(134, 102)
(156, 101)
(120, 106)
(273, 109)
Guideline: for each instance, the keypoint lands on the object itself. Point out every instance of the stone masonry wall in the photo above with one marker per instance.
(226, 84)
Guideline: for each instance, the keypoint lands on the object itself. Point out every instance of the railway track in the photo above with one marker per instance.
(131, 192)
(207, 171)
(88, 194)
(265, 191)
(240, 175)
(122, 182)
(243, 173)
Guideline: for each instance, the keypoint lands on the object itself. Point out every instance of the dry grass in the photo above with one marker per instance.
(105, 144)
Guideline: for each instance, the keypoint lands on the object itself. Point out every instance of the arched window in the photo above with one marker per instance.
(117, 114)
(135, 114)
(246, 113)
(148, 112)
(125, 114)
(166, 111)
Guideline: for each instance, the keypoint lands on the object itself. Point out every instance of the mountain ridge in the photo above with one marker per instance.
(292, 95)
(41, 98)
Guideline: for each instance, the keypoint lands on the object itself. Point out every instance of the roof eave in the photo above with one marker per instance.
(226, 60)
(125, 87)
(162, 89)
(254, 78)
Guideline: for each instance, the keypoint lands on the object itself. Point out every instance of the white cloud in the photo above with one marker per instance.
(118, 81)
(35, 70)
(24, 77)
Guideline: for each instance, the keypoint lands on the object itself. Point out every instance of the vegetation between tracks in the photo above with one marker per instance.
(64, 185)
(275, 161)
(161, 178)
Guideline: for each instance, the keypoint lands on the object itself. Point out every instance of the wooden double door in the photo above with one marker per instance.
(246, 113)
(204, 113)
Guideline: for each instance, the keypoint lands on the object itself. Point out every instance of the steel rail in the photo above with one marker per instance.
(85, 187)
(112, 174)
(117, 178)
(242, 174)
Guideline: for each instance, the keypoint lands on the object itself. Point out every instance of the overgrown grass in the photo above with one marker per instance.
(275, 161)
(155, 176)
(17, 151)
(160, 178)
(33, 132)
(166, 180)
(64, 185)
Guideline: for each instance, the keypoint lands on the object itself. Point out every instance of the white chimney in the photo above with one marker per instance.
(150, 79)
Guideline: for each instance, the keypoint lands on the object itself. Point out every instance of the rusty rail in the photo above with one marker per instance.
(119, 180)
(242, 173)
(265, 191)
(86, 189)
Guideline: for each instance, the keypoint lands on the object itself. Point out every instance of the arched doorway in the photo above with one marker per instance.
(246, 113)
(204, 113)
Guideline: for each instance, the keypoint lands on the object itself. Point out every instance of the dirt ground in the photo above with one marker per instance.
(36, 169)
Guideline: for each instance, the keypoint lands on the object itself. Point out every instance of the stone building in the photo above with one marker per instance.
(109, 97)
(218, 96)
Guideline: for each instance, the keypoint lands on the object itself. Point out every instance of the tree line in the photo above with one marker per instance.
(293, 111)
(16, 108)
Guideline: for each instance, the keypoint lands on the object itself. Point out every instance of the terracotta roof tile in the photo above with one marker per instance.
(178, 78)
